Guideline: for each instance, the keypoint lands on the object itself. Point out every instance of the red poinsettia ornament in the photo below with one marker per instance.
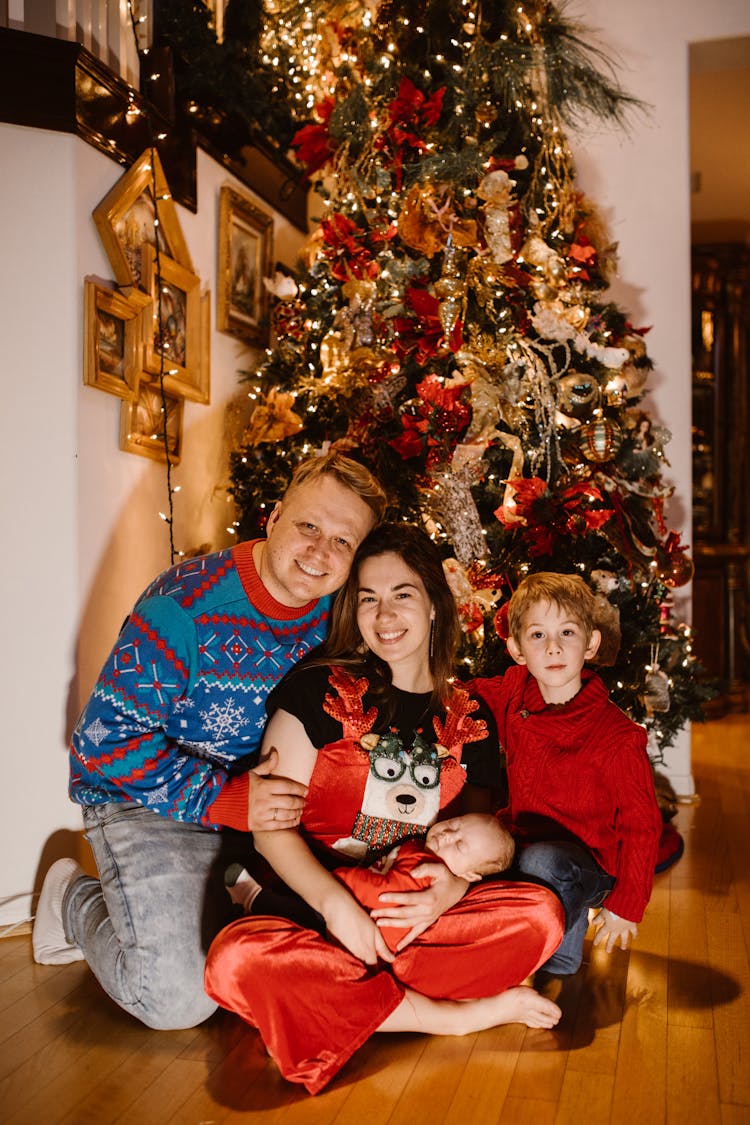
(314, 144)
(343, 245)
(424, 331)
(543, 516)
(410, 112)
(435, 421)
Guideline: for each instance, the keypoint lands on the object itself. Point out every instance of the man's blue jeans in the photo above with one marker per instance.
(145, 925)
(573, 873)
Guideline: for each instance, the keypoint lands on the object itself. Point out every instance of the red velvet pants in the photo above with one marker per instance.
(315, 1004)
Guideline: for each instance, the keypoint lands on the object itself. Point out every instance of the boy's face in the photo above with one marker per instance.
(465, 844)
(554, 646)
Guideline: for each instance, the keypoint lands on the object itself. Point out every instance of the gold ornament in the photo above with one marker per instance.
(273, 420)
(577, 394)
(486, 113)
(541, 290)
(366, 364)
(599, 440)
(497, 190)
(450, 288)
(428, 220)
(359, 289)
(615, 389)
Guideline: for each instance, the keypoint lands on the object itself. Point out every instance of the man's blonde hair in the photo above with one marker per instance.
(568, 592)
(347, 472)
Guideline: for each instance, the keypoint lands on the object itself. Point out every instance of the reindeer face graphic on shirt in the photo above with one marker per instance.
(401, 797)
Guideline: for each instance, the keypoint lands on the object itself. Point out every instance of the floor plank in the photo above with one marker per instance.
(727, 951)
(692, 1078)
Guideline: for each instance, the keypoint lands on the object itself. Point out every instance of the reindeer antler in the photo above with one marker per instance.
(346, 706)
(459, 728)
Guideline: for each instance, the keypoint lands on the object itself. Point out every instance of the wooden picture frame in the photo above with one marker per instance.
(245, 253)
(205, 357)
(181, 327)
(112, 325)
(126, 216)
(141, 426)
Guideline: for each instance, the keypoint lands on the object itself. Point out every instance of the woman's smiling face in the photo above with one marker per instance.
(394, 615)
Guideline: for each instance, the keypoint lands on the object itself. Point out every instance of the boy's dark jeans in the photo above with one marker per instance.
(573, 873)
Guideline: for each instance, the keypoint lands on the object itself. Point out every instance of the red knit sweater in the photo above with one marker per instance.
(579, 770)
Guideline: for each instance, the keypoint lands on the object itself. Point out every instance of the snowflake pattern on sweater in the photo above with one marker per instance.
(180, 702)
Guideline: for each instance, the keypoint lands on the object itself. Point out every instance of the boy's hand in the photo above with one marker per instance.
(610, 929)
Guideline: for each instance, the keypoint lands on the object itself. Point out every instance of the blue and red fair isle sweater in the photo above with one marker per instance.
(182, 696)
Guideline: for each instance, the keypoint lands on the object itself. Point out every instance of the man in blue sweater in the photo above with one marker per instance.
(160, 756)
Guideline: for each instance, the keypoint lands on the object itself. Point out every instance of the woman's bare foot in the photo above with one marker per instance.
(524, 1005)
(463, 1017)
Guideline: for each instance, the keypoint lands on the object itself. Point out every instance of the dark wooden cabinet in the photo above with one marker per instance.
(721, 466)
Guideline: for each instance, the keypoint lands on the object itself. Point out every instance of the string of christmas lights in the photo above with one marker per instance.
(137, 23)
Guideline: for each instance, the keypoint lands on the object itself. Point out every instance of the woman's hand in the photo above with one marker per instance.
(419, 909)
(273, 802)
(611, 928)
(354, 928)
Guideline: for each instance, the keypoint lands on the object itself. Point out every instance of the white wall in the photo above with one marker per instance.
(81, 531)
(80, 518)
(641, 182)
(39, 331)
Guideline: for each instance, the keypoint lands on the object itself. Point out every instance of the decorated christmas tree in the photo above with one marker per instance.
(449, 324)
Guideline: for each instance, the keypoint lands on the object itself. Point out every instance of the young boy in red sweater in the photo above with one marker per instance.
(582, 804)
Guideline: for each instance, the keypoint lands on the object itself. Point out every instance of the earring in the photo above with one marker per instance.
(432, 637)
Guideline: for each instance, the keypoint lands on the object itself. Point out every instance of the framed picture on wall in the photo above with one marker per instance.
(245, 252)
(112, 338)
(138, 210)
(172, 327)
(143, 421)
(205, 357)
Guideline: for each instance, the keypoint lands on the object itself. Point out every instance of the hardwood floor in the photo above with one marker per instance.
(661, 1034)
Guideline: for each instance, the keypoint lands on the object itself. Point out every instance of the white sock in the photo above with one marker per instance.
(244, 890)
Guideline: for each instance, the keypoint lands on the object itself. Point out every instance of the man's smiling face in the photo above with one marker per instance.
(311, 538)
